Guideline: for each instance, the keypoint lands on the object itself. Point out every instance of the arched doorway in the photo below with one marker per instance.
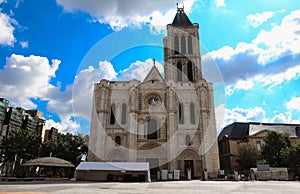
(189, 164)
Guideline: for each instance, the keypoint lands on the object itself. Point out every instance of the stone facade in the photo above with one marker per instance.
(168, 122)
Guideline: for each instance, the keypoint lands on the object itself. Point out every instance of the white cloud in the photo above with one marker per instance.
(285, 117)
(24, 44)
(240, 85)
(220, 3)
(282, 40)
(83, 87)
(24, 78)
(244, 85)
(120, 14)
(139, 70)
(270, 80)
(293, 104)
(256, 114)
(276, 79)
(272, 57)
(6, 29)
(65, 126)
(280, 118)
(238, 63)
(27, 77)
(259, 18)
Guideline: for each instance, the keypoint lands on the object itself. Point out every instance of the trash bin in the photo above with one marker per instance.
(176, 174)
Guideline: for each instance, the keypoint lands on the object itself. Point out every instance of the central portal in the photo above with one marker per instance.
(189, 169)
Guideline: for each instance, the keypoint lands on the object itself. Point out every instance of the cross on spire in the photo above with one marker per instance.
(180, 9)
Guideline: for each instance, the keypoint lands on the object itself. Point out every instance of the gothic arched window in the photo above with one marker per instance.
(112, 114)
(176, 44)
(187, 140)
(190, 45)
(179, 71)
(181, 113)
(192, 113)
(117, 141)
(190, 71)
(183, 45)
(152, 129)
(124, 111)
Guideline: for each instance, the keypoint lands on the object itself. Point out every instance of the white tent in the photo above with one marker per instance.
(86, 169)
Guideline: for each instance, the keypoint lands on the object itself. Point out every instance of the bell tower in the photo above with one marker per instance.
(182, 50)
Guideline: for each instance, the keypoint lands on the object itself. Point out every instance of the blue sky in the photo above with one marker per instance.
(52, 51)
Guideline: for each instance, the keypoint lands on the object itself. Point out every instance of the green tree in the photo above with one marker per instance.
(246, 156)
(275, 143)
(68, 147)
(20, 146)
(291, 156)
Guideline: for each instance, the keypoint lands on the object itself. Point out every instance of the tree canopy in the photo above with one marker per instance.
(22, 145)
(291, 155)
(68, 147)
(275, 143)
(246, 156)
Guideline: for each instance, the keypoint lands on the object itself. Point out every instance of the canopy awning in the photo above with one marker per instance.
(48, 161)
(115, 166)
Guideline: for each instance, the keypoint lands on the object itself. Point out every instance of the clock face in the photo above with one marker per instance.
(152, 100)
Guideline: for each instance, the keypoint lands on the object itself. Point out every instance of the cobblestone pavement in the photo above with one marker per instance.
(185, 187)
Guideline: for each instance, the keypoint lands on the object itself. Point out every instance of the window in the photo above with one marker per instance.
(190, 71)
(187, 140)
(179, 71)
(258, 145)
(124, 111)
(112, 114)
(176, 44)
(117, 141)
(152, 129)
(192, 113)
(298, 131)
(181, 113)
(190, 45)
(183, 45)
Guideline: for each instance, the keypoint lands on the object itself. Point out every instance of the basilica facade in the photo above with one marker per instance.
(167, 121)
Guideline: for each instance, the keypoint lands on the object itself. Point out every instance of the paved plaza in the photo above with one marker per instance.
(185, 187)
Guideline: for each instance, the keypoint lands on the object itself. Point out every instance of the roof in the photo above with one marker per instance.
(154, 75)
(114, 166)
(239, 130)
(290, 129)
(235, 130)
(181, 19)
(48, 161)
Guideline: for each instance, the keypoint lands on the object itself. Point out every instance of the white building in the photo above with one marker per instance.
(168, 122)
